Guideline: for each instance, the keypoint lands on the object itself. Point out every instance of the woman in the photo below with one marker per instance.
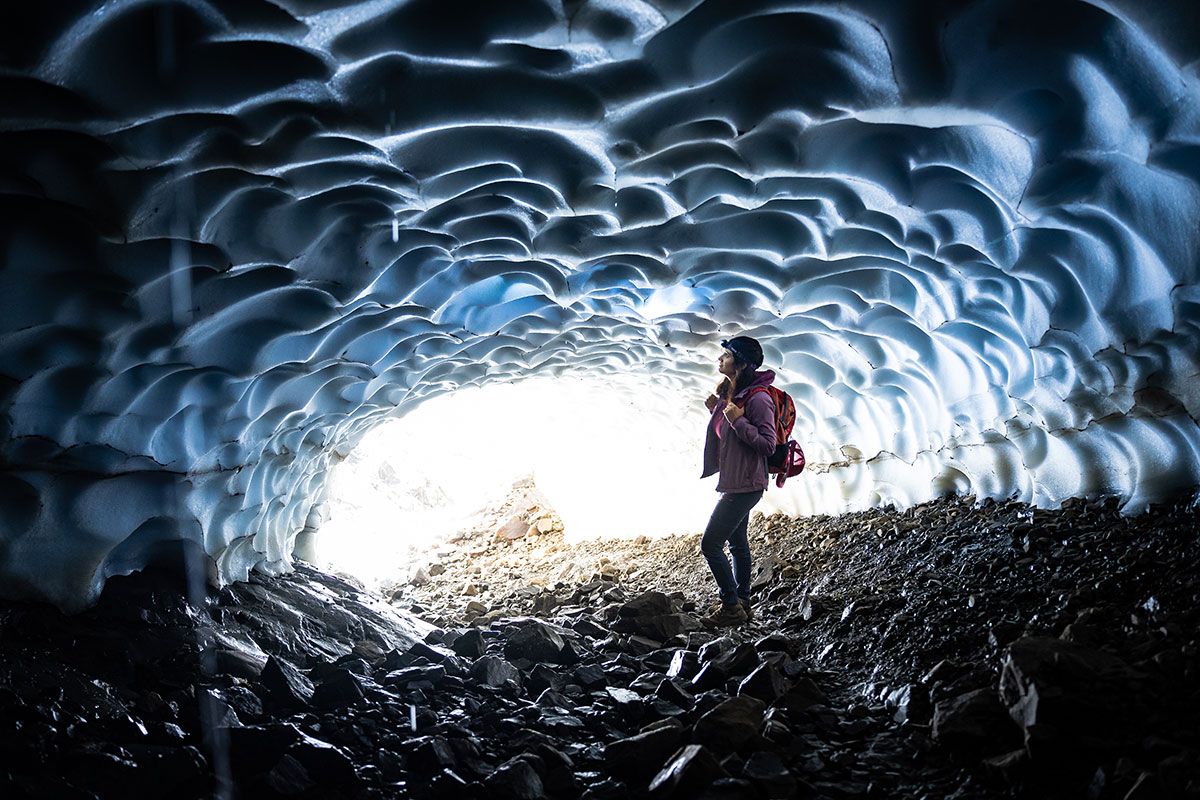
(740, 436)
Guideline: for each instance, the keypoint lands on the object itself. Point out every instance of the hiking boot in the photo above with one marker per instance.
(724, 616)
(747, 607)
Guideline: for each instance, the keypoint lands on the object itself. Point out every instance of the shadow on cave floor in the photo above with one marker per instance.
(945, 651)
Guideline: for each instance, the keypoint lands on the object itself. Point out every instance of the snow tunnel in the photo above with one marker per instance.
(237, 235)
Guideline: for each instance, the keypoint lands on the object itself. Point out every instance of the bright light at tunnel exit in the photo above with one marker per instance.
(617, 456)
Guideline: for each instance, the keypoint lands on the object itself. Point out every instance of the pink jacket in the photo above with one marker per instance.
(740, 453)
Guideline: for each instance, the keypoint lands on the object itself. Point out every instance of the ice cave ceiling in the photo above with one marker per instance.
(239, 233)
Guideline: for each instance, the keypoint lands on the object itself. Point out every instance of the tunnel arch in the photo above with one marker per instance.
(967, 243)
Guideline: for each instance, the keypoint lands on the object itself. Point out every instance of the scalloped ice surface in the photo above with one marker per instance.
(238, 234)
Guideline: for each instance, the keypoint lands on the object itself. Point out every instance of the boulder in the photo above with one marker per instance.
(730, 724)
(285, 684)
(975, 723)
(639, 757)
(689, 772)
(495, 672)
(1070, 698)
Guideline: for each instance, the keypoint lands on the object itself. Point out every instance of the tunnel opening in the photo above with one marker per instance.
(594, 456)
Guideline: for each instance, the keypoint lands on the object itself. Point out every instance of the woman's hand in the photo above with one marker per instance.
(732, 413)
(711, 401)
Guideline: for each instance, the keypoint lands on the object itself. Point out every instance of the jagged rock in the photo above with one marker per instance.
(1070, 697)
(716, 648)
(516, 779)
(215, 711)
(764, 683)
(639, 757)
(541, 678)
(710, 676)
(254, 748)
(536, 641)
(431, 754)
(433, 674)
(589, 676)
(432, 653)
(803, 694)
(285, 684)
(495, 672)
(328, 766)
(911, 704)
(730, 789)
(552, 698)
(974, 722)
(289, 777)
(768, 772)
(684, 665)
(687, 774)
(470, 644)
(738, 662)
(339, 689)
(650, 615)
(672, 691)
(730, 724)
(775, 642)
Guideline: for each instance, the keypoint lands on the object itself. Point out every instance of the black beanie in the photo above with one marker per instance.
(745, 349)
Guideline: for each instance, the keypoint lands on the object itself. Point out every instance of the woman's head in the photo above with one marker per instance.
(740, 358)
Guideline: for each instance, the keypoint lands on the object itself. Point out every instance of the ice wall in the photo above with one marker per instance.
(236, 234)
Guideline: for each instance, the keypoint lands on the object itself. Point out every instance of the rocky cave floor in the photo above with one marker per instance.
(947, 651)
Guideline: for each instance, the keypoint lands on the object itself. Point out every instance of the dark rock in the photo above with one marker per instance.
(738, 662)
(495, 672)
(432, 674)
(624, 698)
(289, 777)
(975, 722)
(470, 644)
(687, 774)
(589, 628)
(214, 711)
(434, 654)
(716, 648)
(768, 772)
(647, 604)
(447, 784)
(730, 789)
(541, 678)
(910, 704)
(327, 765)
(673, 692)
(161, 770)
(340, 689)
(710, 676)
(803, 695)
(431, 754)
(1070, 698)
(658, 628)
(684, 665)
(516, 779)
(764, 683)
(552, 698)
(537, 642)
(776, 642)
(285, 684)
(730, 724)
(639, 757)
(254, 748)
(589, 676)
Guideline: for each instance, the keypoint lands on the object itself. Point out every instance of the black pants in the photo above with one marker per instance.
(728, 524)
